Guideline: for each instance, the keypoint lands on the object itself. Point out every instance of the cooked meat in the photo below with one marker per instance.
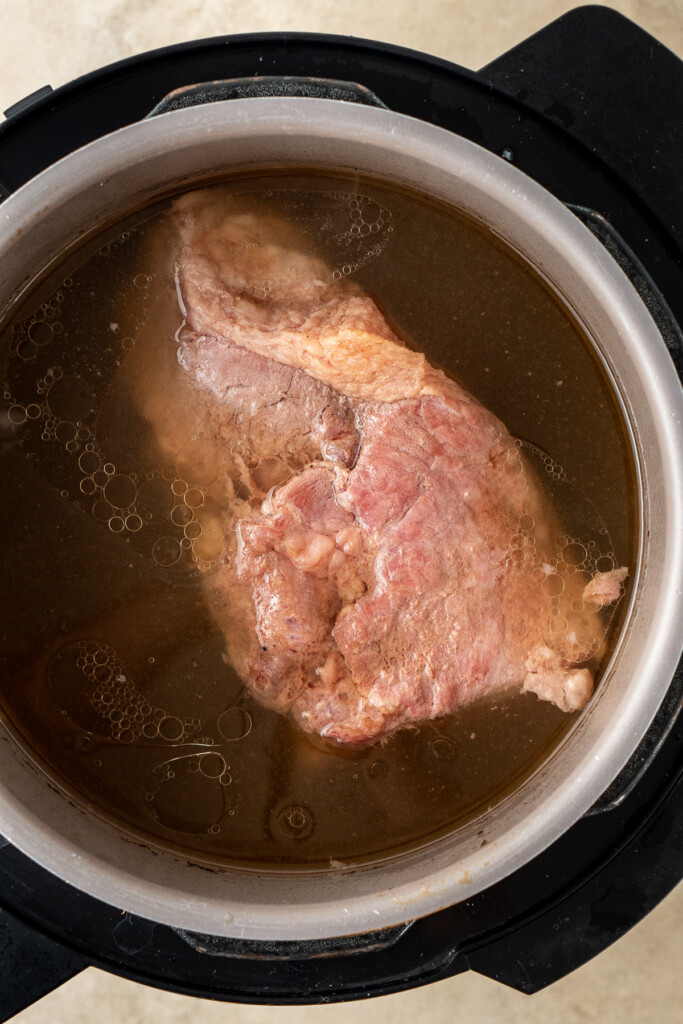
(605, 587)
(393, 564)
(241, 278)
(266, 409)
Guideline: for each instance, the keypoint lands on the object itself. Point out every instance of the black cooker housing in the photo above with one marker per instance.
(592, 108)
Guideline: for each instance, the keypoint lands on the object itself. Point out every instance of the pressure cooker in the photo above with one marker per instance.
(541, 149)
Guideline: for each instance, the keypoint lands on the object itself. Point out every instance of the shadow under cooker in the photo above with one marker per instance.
(385, 970)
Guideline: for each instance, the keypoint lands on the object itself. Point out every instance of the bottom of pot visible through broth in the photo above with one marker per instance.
(112, 672)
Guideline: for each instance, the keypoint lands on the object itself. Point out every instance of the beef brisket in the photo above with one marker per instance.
(387, 546)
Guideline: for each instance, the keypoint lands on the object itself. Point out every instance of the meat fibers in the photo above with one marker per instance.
(386, 545)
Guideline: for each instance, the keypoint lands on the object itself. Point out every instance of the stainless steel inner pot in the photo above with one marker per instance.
(128, 168)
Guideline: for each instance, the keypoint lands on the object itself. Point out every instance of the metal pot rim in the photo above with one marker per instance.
(130, 163)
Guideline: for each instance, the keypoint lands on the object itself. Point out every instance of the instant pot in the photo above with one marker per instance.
(591, 110)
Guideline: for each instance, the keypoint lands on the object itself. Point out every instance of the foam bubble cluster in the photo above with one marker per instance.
(117, 700)
(352, 229)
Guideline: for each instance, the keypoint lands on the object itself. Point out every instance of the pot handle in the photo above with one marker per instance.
(668, 715)
(262, 86)
(303, 949)
(672, 705)
(31, 964)
(668, 327)
(639, 277)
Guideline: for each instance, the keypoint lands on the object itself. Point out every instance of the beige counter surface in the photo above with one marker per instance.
(636, 981)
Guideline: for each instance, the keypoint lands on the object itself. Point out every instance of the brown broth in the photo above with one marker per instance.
(112, 668)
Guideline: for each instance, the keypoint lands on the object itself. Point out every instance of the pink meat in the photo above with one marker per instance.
(395, 571)
(605, 587)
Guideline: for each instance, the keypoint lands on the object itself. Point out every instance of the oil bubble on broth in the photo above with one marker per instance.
(114, 670)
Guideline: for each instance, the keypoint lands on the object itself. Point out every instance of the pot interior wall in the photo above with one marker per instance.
(116, 174)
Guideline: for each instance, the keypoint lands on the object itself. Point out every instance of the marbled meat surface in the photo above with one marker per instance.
(385, 544)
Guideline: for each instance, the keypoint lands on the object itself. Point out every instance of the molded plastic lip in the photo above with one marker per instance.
(127, 168)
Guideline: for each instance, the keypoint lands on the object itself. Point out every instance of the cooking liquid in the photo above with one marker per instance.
(112, 669)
